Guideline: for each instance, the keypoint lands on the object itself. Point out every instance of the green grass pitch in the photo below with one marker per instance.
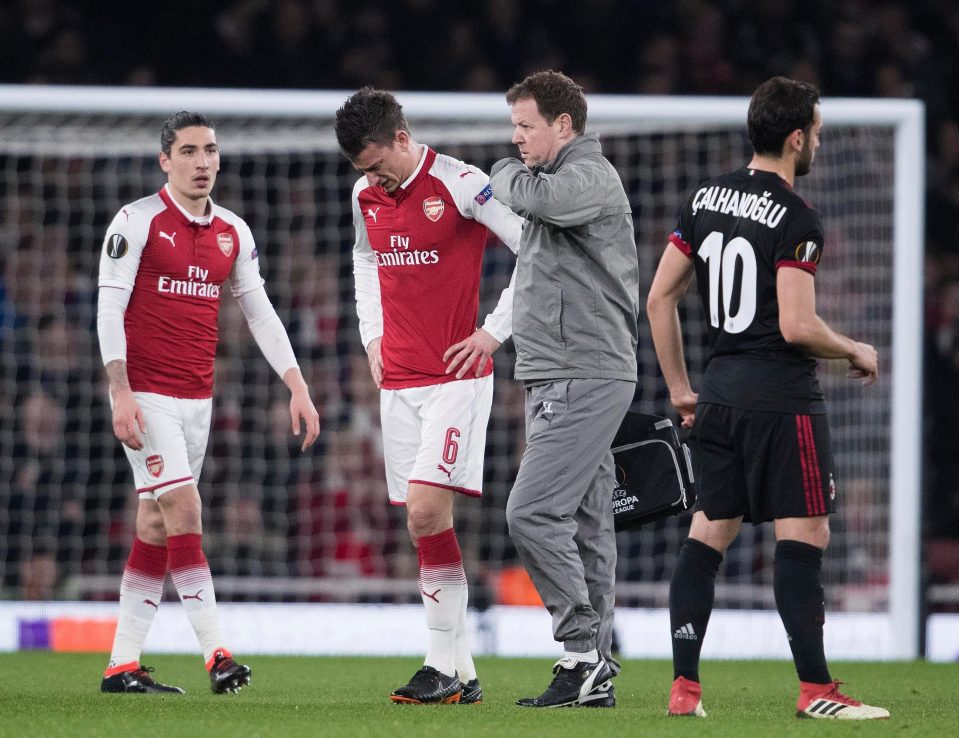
(46, 694)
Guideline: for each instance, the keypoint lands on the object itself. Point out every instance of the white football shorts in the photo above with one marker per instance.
(436, 435)
(174, 443)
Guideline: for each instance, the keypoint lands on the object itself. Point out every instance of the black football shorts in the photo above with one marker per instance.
(761, 465)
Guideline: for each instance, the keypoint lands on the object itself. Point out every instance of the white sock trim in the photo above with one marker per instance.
(589, 657)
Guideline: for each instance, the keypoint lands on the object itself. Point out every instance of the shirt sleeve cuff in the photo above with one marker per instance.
(806, 266)
(681, 245)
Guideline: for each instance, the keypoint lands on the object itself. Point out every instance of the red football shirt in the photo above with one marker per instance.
(426, 243)
(175, 265)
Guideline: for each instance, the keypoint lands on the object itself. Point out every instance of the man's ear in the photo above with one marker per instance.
(795, 140)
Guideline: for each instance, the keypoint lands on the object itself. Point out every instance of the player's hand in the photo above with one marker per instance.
(302, 408)
(375, 356)
(864, 364)
(477, 349)
(128, 420)
(685, 404)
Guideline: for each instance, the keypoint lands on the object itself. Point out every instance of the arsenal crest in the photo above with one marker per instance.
(225, 242)
(433, 208)
(155, 465)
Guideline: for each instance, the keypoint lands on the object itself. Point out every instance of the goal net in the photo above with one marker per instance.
(280, 525)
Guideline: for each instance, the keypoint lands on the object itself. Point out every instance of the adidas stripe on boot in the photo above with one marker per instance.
(825, 701)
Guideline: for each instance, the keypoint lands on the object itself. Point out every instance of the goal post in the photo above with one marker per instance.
(71, 156)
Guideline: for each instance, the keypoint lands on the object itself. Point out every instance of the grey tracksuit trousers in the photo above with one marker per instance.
(560, 511)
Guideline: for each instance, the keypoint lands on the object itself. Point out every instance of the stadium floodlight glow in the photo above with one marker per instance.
(70, 155)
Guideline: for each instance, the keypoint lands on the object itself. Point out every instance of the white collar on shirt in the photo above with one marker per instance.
(202, 220)
(416, 171)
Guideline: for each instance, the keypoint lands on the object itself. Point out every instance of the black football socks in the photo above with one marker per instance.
(797, 582)
(691, 593)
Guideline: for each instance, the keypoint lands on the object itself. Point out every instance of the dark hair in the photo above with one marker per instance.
(183, 119)
(554, 94)
(778, 107)
(367, 117)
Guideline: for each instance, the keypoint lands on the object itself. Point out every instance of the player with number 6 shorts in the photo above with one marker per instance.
(436, 436)
(422, 222)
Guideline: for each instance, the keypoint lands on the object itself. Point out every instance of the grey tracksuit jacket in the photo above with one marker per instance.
(576, 298)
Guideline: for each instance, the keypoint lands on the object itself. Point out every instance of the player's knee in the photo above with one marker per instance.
(150, 529)
(817, 534)
(181, 510)
(717, 534)
(811, 531)
(821, 535)
(425, 520)
(714, 541)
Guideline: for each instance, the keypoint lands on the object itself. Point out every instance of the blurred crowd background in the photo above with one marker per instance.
(848, 47)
